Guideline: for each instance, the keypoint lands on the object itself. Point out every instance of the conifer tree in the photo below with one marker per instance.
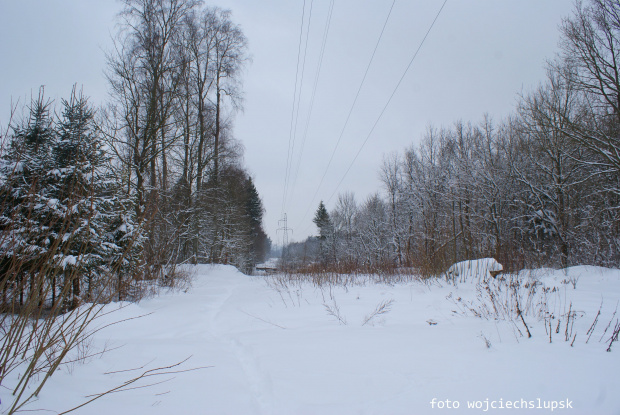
(322, 221)
(254, 207)
(101, 239)
(25, 200)
(85, 201)
(326, 231)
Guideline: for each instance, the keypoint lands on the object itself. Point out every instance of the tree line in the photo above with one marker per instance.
(538, 188)
(95, 201)
(103, 204)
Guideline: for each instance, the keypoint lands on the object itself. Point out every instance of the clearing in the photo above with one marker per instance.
(273, 346)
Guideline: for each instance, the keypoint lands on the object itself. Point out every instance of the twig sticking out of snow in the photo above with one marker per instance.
(570, 320)
(164, 370)
(608, 325)
(334, 311)
(591, 329)
(487, 342)
(382, 308)
(520, 314)
(614, 335)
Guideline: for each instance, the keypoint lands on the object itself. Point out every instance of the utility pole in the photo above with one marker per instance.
(283, 223)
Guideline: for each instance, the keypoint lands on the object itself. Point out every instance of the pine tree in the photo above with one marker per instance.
(322, 221)
(254, 205)
(127, 262)
(326, 232)
(255, 210)
(25, 202)
(62, 224)
(85, 201)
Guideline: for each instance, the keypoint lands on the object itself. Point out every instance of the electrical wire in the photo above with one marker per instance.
(359, 89)
(294, 128)
(389, 100)
(316, 81)
(288, 155)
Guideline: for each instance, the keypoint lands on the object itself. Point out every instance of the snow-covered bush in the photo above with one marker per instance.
(478, 270)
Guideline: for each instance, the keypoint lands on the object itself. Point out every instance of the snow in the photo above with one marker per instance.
(466, 270)
(268, 267)
(269, 346)
(270, 263)
(68, 260)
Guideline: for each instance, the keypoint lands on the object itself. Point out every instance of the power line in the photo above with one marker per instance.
(299, 105)
(316, 81)
(296, 118)
(359, 89)
(389, 100)
(288, 155)
(285, 230)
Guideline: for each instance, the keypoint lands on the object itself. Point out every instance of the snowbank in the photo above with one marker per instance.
(479, 269)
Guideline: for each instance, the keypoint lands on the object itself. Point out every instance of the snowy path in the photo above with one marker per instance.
(278, 351)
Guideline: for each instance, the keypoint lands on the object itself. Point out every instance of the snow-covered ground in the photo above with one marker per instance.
(262, 346)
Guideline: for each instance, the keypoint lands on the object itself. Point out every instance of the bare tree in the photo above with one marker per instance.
(343, 218)
(143, 73)
(552, 173)
(591, 44)
(390, 175)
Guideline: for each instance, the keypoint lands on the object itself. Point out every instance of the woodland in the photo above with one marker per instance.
(102, 204)
(539, 188)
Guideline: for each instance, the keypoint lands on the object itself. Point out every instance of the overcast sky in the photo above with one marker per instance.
(478, 57)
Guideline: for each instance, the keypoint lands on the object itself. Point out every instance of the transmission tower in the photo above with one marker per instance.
(283, 223)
